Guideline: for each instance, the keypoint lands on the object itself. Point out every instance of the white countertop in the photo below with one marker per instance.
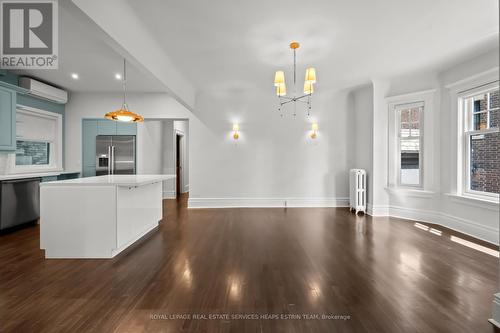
(36, 175)
(112, 180)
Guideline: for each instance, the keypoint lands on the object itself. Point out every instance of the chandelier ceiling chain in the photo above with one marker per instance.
(279, 83)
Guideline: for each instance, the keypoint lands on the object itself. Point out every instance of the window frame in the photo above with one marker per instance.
(56, 145)
(464, 139)
(397, 108)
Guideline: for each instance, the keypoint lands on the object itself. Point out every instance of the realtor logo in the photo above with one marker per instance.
(29, 34)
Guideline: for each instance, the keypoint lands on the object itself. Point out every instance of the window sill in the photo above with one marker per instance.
(410, 192)
(490, 204)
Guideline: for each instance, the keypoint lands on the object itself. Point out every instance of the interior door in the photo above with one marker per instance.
(123, 154)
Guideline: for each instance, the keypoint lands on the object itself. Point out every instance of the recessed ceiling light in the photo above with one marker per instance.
(74, 76)
(118, 76)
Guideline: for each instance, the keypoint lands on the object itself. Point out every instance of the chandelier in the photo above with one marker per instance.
(309, 81)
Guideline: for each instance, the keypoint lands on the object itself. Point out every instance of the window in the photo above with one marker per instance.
(32, 153)
(38, 142)
(481, 142)
(409, 144)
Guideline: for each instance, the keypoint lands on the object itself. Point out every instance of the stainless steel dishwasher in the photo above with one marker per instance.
(19, 202)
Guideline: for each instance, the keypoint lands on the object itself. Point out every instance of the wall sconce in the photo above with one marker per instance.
(236, 128)
(314, 131)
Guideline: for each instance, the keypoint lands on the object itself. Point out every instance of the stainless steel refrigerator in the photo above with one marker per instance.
(115, 155)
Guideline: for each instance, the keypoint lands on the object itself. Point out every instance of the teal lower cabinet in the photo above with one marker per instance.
(66, 176)
(7, 119)
(94, 127)
(49, 179)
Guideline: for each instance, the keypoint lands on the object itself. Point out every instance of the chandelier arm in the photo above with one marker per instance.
(303, 96)
(301, 101)
(287, 102)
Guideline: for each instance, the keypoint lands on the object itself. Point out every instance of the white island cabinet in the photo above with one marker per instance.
(98, 217)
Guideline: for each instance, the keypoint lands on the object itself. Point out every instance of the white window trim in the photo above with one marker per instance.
(394, 103)
(55, 150)
(463, 181)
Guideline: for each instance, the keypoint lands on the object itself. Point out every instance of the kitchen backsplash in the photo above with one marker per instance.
(3, 163)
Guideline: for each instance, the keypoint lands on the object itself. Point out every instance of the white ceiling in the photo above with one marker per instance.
(84, 49)
(228, 45)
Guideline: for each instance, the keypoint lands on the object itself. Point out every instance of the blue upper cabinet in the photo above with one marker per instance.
(126, 128)
(7, 119)
(106, 127)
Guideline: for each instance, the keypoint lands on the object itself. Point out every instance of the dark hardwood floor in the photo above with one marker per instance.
(385, 274)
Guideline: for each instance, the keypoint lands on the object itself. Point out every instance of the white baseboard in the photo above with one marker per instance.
(266, 202)
(459, 224)
(170, 194)
(377, 210)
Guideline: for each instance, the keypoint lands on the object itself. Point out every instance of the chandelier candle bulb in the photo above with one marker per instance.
(310, 75)
(279, 78)
(281, 90)
(308, 88)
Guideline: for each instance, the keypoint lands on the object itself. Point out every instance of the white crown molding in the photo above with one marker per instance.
(488, 75)
(267, 202)
(417, 95)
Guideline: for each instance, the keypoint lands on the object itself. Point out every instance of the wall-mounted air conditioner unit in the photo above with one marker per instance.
(43, 90)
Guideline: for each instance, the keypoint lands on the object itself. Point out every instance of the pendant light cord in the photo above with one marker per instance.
(124, 84)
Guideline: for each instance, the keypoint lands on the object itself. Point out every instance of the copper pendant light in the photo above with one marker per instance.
(124, 114)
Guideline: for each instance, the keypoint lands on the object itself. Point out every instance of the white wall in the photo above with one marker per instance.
(363, 118)
(274, 160)
(150, 148)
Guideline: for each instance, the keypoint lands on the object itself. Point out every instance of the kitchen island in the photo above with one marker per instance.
(98, 217)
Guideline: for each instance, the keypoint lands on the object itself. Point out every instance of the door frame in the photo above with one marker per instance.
(182, 159)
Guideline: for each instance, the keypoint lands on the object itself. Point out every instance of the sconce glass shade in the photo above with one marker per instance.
(281, 90)
(308, 88)
(124, 115)
(236, 127)
(310, 75)
(279, 78)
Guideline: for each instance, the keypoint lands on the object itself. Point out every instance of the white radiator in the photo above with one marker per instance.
(357, 190)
